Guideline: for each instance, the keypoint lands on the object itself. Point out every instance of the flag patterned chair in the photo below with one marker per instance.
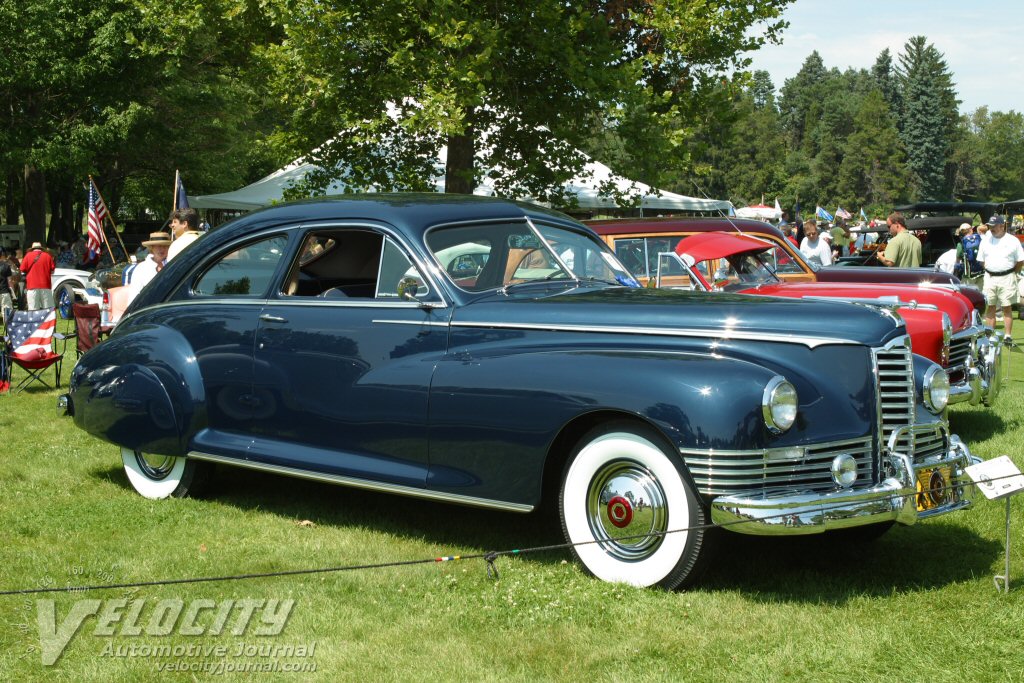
(29, 345)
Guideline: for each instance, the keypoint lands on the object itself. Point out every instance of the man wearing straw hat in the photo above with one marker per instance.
(38, 267)
(158, 243)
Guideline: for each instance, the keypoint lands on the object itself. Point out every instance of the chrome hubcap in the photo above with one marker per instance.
(626, 510)
(155, 466)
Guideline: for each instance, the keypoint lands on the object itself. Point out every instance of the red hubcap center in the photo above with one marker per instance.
(620, 511)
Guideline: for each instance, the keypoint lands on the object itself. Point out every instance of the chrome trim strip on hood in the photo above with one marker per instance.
(810, 342)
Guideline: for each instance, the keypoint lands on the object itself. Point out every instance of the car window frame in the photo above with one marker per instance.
(186, 290)
(438, 298)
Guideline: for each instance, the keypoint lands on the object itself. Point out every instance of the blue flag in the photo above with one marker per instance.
(863, 216)
(180, 196)
(823, 214)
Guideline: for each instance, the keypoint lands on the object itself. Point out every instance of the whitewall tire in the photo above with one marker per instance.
(624, 494)
(163, 476)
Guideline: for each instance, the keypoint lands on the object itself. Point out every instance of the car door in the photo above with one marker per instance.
(216, 310)
(343, 363)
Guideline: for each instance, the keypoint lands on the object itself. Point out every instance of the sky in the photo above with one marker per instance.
(982, 41)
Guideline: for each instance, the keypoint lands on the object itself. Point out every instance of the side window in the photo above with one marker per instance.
(245, 272)
(395, 266)
(352, 263)
(631, 253)
(782, 262)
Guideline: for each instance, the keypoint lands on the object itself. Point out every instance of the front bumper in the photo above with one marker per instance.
(894, 499)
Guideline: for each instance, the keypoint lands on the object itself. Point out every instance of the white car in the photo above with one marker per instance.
(74, 286)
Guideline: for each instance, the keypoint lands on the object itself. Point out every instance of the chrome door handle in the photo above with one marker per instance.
(266, 317)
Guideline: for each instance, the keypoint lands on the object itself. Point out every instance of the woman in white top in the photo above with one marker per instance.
(817, 251)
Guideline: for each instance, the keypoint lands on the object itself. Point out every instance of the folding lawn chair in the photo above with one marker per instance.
(29, 345)
(87, 327)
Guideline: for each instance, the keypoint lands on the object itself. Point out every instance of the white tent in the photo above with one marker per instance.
(585, 187)
(761, 212)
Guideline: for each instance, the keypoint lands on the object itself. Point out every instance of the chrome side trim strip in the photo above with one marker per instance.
(810, 342)
(365, 484)
(409, 322)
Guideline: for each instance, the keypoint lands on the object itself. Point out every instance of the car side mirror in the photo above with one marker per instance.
(407, 288)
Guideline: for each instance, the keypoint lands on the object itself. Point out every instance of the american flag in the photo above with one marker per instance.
(32, 332)
(97, 214)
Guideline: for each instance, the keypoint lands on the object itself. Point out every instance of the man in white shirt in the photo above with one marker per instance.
(816, 250)
(947, 262)
(1002, 257)
(158, 243)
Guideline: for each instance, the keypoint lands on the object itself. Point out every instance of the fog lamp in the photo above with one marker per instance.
(844, 470)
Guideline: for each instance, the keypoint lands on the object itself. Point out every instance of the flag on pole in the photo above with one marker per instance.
(97, 214)
(863, 216)
(823, 214)
(842, 213)
(180, 196)
(732, 210)
(796, 210)
(778, 209)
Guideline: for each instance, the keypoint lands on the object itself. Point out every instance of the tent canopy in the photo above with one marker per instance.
(585, 187)
(761, 212)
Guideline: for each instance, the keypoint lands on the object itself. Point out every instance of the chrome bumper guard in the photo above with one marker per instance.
(894, 499)
(64, 406)
(981, 382)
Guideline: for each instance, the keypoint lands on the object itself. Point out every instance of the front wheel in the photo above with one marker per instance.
(64, 298)
(164, 476)
(624, 500)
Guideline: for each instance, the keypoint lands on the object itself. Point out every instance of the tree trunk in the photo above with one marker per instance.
(59, 193)
(34, 207)
(458, 171)
(11, 211)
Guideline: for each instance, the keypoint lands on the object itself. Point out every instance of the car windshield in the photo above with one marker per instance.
(492, 256)
(747, 269)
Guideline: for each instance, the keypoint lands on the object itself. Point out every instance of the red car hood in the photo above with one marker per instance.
(955, 305)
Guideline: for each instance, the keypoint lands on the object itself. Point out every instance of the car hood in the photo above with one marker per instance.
(643, 311)
(953, 304)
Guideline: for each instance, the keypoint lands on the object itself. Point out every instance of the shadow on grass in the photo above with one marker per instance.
(831, 570)
(976, 425)
(816, 569)
(450, 528)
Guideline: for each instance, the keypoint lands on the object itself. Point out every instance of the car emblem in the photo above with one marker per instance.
(937, 488)
(620, 511)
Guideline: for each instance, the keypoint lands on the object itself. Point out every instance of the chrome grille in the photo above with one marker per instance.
(723, 472)
(896, 401)
(895, 371)
(959, 350)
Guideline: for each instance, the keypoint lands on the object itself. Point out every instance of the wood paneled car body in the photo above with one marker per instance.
(348, 340)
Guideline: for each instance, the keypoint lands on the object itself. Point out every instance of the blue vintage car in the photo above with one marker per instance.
(493, 353)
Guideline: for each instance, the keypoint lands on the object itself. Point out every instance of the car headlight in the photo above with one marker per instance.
(936, 389)
(778, 404)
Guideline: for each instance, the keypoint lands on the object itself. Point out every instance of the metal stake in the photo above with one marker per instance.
(1005, 578)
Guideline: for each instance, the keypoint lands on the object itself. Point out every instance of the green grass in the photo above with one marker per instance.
(919, 604)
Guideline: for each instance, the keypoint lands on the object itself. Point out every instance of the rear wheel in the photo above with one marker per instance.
(624, 497)
(164, 476)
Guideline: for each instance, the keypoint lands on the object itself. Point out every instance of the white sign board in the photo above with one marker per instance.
(997, 477)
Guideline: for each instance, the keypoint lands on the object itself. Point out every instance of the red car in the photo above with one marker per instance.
(943, 324)
(637, 241)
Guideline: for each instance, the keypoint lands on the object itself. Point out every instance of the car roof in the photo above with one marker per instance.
(411, 212)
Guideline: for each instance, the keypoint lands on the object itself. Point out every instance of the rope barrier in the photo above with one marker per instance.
(489, 557)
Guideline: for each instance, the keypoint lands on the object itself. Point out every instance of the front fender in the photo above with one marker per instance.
(140, 390)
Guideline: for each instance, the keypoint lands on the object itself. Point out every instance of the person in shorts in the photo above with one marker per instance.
(1002, 257)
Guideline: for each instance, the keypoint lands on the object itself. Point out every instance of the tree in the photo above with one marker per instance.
(801, 96)
(929, 118)
(887, 82)
(512, 90)
(873, 171)
(126, 90)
